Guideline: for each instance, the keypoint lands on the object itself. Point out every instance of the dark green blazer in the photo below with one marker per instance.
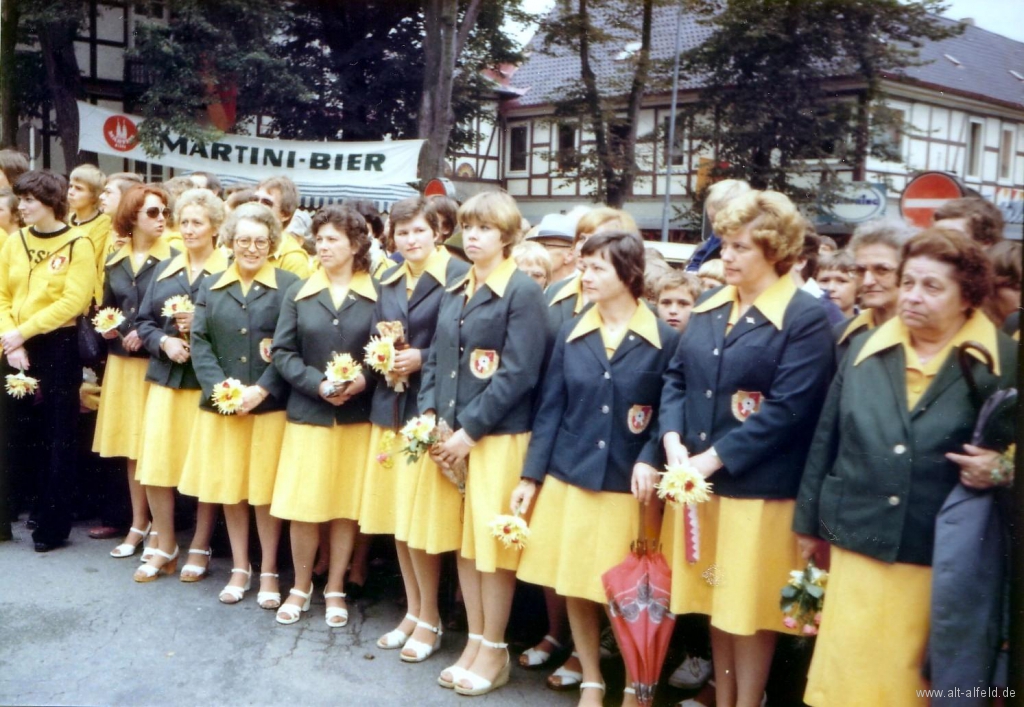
(487, 354)
(232, 334)
(876, 475)
(309, 332)
(125, 289)
(169, 280)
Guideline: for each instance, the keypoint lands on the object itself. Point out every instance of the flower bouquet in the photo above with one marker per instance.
(19, 385)
(683, 486)
(108, 319)
(419, 434)
(511, 530)
(178, 304)
(227, 396)
(803, 598)
(380, 353)
(341, 370)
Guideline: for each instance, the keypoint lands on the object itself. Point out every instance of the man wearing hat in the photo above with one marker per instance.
(555, 233)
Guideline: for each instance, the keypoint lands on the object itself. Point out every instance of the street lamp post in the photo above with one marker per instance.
(670, 148)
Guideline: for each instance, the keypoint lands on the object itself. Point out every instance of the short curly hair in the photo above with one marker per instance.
(210, 203)
(984, 219)
(350, 222)
(257, 213)
(971, 267)
(776, 227)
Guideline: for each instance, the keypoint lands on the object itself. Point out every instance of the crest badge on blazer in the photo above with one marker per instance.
(483, 362)
(638, 418)
(265, 346)
(746, 403)
(58, 262)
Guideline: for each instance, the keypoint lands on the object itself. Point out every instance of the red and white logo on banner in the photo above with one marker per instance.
(120, 133)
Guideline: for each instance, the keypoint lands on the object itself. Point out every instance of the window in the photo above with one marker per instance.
(1006, 154)
(566, 155)
(678, 143)
(517, 148)
(889, 140)
(975, 148)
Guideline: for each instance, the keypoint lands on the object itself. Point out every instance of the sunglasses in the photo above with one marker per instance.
(155, 211)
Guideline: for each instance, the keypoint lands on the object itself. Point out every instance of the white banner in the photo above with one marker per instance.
(364, 164)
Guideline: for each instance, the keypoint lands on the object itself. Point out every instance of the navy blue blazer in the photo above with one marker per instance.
(418, 315)
(756, 394)
(596, 417)
(125, 289)
(487, 354)
(169, 280)
(562, 299)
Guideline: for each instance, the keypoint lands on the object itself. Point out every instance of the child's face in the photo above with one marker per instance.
(536, 272)
(674, 305)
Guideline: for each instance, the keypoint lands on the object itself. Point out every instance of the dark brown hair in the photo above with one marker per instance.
(1006, 263)
(971, 267)
(408, 209)
(131, 203)
(13, 164)
(626, 254)
(47, 188)
(984, 219)
(352, 224)
(447, 211)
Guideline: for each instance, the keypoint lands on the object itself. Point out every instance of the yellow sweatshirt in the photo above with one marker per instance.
(47, 286)
(291, 257)
(97, 230)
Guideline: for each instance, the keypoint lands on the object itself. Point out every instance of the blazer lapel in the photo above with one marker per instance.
(947, 376)
(750, 321)
(350, 299)
(424, 287)
(482, 295)
(630, 342)
(324, 298)
(895, 369)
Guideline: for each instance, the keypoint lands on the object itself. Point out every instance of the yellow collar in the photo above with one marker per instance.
(215, 262)
(361, 284)
(497, 281)
(864, 321)
(771, 303)
(267, 276)
(642, 323)
(894, 332)
(436, 267)
(573, 287)
(160, 251)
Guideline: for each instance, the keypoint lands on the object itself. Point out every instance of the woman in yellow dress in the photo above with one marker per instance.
(327, 437)
(480, 379)
(396, 491)
(173, 400)
(141, 218)
(232, 458)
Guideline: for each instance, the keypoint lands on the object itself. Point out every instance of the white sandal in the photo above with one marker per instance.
(592, 686)
(535, 657)
(128, 549)
(456, 671)
(291, 611)
(479, 685)
(396, 638)
(147, 552)
(197, 572)
(233, 592)
(335, 612)
(147, 572)
(567, 679)
(422, 651)
(264, 599)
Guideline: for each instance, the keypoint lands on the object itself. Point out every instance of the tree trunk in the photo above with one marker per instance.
(592, 98)
(10, 15)
(621, 188)
(57, 41)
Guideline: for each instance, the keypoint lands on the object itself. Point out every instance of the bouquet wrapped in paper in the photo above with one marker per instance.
(107, 319)
(511, 530)
(227, 396)
(684, 486)
(341, 370)
(803, 598)
(381, 351)
(19, 385)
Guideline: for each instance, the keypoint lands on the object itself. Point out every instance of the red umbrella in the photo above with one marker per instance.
(638, 591)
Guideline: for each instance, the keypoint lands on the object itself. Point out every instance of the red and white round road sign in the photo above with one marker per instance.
(925, 193)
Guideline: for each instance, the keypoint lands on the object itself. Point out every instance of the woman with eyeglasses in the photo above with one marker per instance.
(232, 458)
(141, 218)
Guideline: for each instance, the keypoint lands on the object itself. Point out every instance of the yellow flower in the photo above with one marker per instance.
(107, 319)
(380, 354)
(342, 368)
(683, 484)
(227, 396)
(512, 531)
(19, 385)
(420, 429)
(385, 448)
(179, 304)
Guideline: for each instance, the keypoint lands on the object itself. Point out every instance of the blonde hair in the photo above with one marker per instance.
(205, 199)
(776, 227)
(721, 193)
(531, 253)
(497, 209)
(91, 176)
(714, 269)
(602, 215)
(678, 278)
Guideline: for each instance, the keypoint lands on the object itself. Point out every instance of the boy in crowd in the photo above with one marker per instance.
(674, 295)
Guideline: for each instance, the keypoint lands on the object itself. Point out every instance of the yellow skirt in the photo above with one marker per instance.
(874, 632)
(320, 474)
(566, 519)
(233, 459)
(119, 421)
(170, 413)
(434, 521)
(495, 464)
(383, 484)
(747, 550)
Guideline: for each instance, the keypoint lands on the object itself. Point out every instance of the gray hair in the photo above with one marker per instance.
(721, 193)
(205, 199)
(884, 231)
(257, 213)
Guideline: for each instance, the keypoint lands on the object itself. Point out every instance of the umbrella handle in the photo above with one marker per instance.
(642, 545)
(964, 358)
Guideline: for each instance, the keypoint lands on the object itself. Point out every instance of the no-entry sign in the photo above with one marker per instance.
(925, 193)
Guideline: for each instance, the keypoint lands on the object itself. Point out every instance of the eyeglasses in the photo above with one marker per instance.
(155, 211)
(878, 270)
(247, 243)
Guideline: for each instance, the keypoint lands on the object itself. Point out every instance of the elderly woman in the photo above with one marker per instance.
(141, 217)
(741, 397)
(232, 458)
(173, 399)
(479, 378)
(900, 400)
(327, 438)
(47, 273)
(594, 442)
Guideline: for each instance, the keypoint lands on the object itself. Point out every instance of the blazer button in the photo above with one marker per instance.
(454, 374)
(715, 352)
(703, 436)
(451, 403)
(894, 500)
(243, 359)
(243, 306)
(604, 409)
(243, 330)
(708, 394)
(334, 322)
(899, 449)
(607, 375)
(600, 444)
(461, 322)
(462, 349)
(131, 309)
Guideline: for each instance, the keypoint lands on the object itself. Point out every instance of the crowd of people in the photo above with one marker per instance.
(829, 395)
